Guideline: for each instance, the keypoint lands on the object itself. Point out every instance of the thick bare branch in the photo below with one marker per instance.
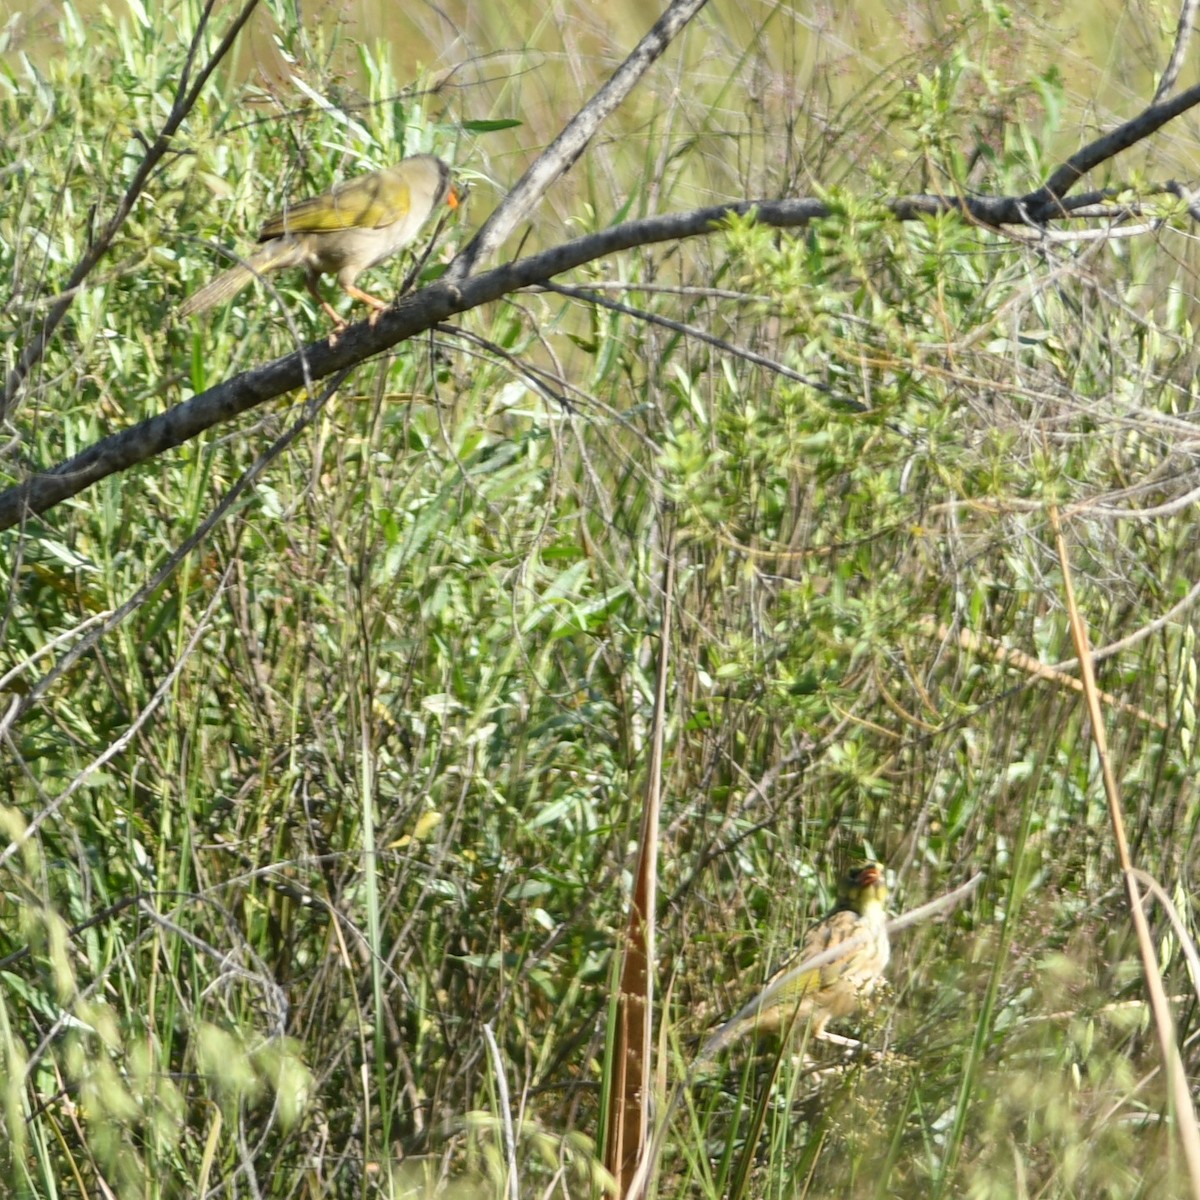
(458, 291)
(1108, 146)
(436, 303)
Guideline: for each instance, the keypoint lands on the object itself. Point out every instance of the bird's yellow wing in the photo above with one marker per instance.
(367, 202)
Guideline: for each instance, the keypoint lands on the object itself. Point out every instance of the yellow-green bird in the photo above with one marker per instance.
(840, 961)
(341, 232)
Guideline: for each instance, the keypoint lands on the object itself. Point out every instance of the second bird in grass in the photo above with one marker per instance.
(799, 996)
(342, 232)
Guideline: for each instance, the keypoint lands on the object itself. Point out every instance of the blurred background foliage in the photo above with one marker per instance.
(376, 750)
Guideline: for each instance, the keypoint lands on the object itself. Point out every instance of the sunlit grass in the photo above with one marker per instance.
(390, 796)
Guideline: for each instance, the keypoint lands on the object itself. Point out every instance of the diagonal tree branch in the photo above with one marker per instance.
(422, 310)
(1149, 121)
(459, 291)
(560, 155)
(454, 294)
(1183, 36)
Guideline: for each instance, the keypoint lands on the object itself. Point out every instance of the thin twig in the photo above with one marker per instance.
(626, 1136)
(700, 335)
(1010, 656)
(1186, 944)
(729, 1030)
(115, 747)
(1139, 635)
(97, 632)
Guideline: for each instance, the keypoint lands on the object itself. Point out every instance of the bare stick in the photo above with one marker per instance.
(561, 154)
(510, 1139)
(24, 702)
(629, 1102)
(1009, 655)
(1186, 944)
(728, 1032)
(1183, 35)
(1177, 1082)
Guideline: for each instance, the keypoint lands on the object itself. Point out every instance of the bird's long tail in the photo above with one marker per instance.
(275, 255)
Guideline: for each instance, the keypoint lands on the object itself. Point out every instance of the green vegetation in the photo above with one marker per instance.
(361, 775)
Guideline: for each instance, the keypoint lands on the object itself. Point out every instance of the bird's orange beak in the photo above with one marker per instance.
(869, 876)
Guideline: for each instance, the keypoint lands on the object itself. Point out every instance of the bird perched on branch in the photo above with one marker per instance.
(840, 961)
(343, 232)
